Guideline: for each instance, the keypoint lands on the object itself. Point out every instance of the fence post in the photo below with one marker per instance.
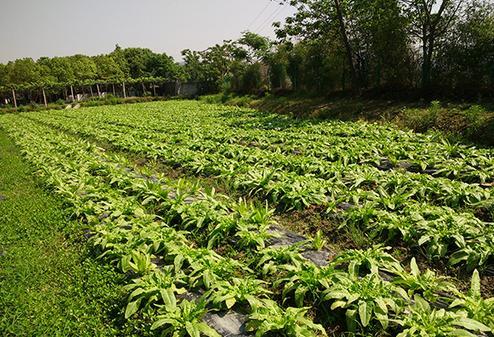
(72, 92)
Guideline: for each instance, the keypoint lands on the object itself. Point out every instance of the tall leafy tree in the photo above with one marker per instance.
(430, 20)
(138, 60)
(83, 68)
(23, 71)
(3, 75)
(107, 69)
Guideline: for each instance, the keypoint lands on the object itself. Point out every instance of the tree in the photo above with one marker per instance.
(430, 20)
(138, 60)
(213, 66)
(23, 71)
(119, 57)
(83, 68)
(60, 69)
(162, 65)
(253, 47)
(465, 55)
(3, 75)
(107, 69)
(367, 33)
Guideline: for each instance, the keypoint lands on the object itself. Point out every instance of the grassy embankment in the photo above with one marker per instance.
(465, 121)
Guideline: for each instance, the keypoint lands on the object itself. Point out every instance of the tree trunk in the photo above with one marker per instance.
(348, 47)
(44, 98)
(97, 88)
(91, 90)
(143, 89)
(427, 46)
(124, 92)
(15, 99)
(113, 87)
(65, 94)
(154, 90)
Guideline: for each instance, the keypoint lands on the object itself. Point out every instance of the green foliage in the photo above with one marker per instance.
(366, 300)
(474, 305)
(268, 318)
(426, 284)
(424, 321)
(184, 319)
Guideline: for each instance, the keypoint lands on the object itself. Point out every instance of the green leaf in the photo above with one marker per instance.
(414, 267)
(364, 314)
(336, 294)
(462, 333)
(230, 302)
(475, 285)
(169, 298)
(472, 324)
(159, 323)
(192, 330)
(132, 308)
(338, 304)
(207, 330)
(351, 320)
(299, 296)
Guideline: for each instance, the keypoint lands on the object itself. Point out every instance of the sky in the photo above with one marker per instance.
(36, 28)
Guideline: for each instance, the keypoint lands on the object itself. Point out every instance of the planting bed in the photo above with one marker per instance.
(199, 262)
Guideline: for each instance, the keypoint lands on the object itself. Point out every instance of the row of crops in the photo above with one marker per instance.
(190, 252)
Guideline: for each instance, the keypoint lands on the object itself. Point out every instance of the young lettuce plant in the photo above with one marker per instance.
(366, 299)
(157, 287)
(427, 284)
(270, 319)
(271, 260)
(318, 242)
(307, 282)
(421, 320)
(139, 262)
(185, 319)
(361, 262)
(238, 291)
(207, 271)
(474, 304)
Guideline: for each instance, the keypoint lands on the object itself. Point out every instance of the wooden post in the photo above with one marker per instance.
(123, 87)
(44, 98)
(72, 92)
(15, 99)
(97, 88)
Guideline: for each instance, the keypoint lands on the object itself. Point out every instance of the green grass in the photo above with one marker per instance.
(49, 286)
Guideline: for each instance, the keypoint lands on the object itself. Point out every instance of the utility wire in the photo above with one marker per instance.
(269, 19)
(259, 15)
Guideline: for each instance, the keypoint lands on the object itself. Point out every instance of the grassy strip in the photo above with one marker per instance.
(48, 284)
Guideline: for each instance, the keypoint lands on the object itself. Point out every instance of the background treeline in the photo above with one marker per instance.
(396, 48)
(404, 48)
(63, 78)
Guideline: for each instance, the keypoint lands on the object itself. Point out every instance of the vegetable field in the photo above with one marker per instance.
(194, 204)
